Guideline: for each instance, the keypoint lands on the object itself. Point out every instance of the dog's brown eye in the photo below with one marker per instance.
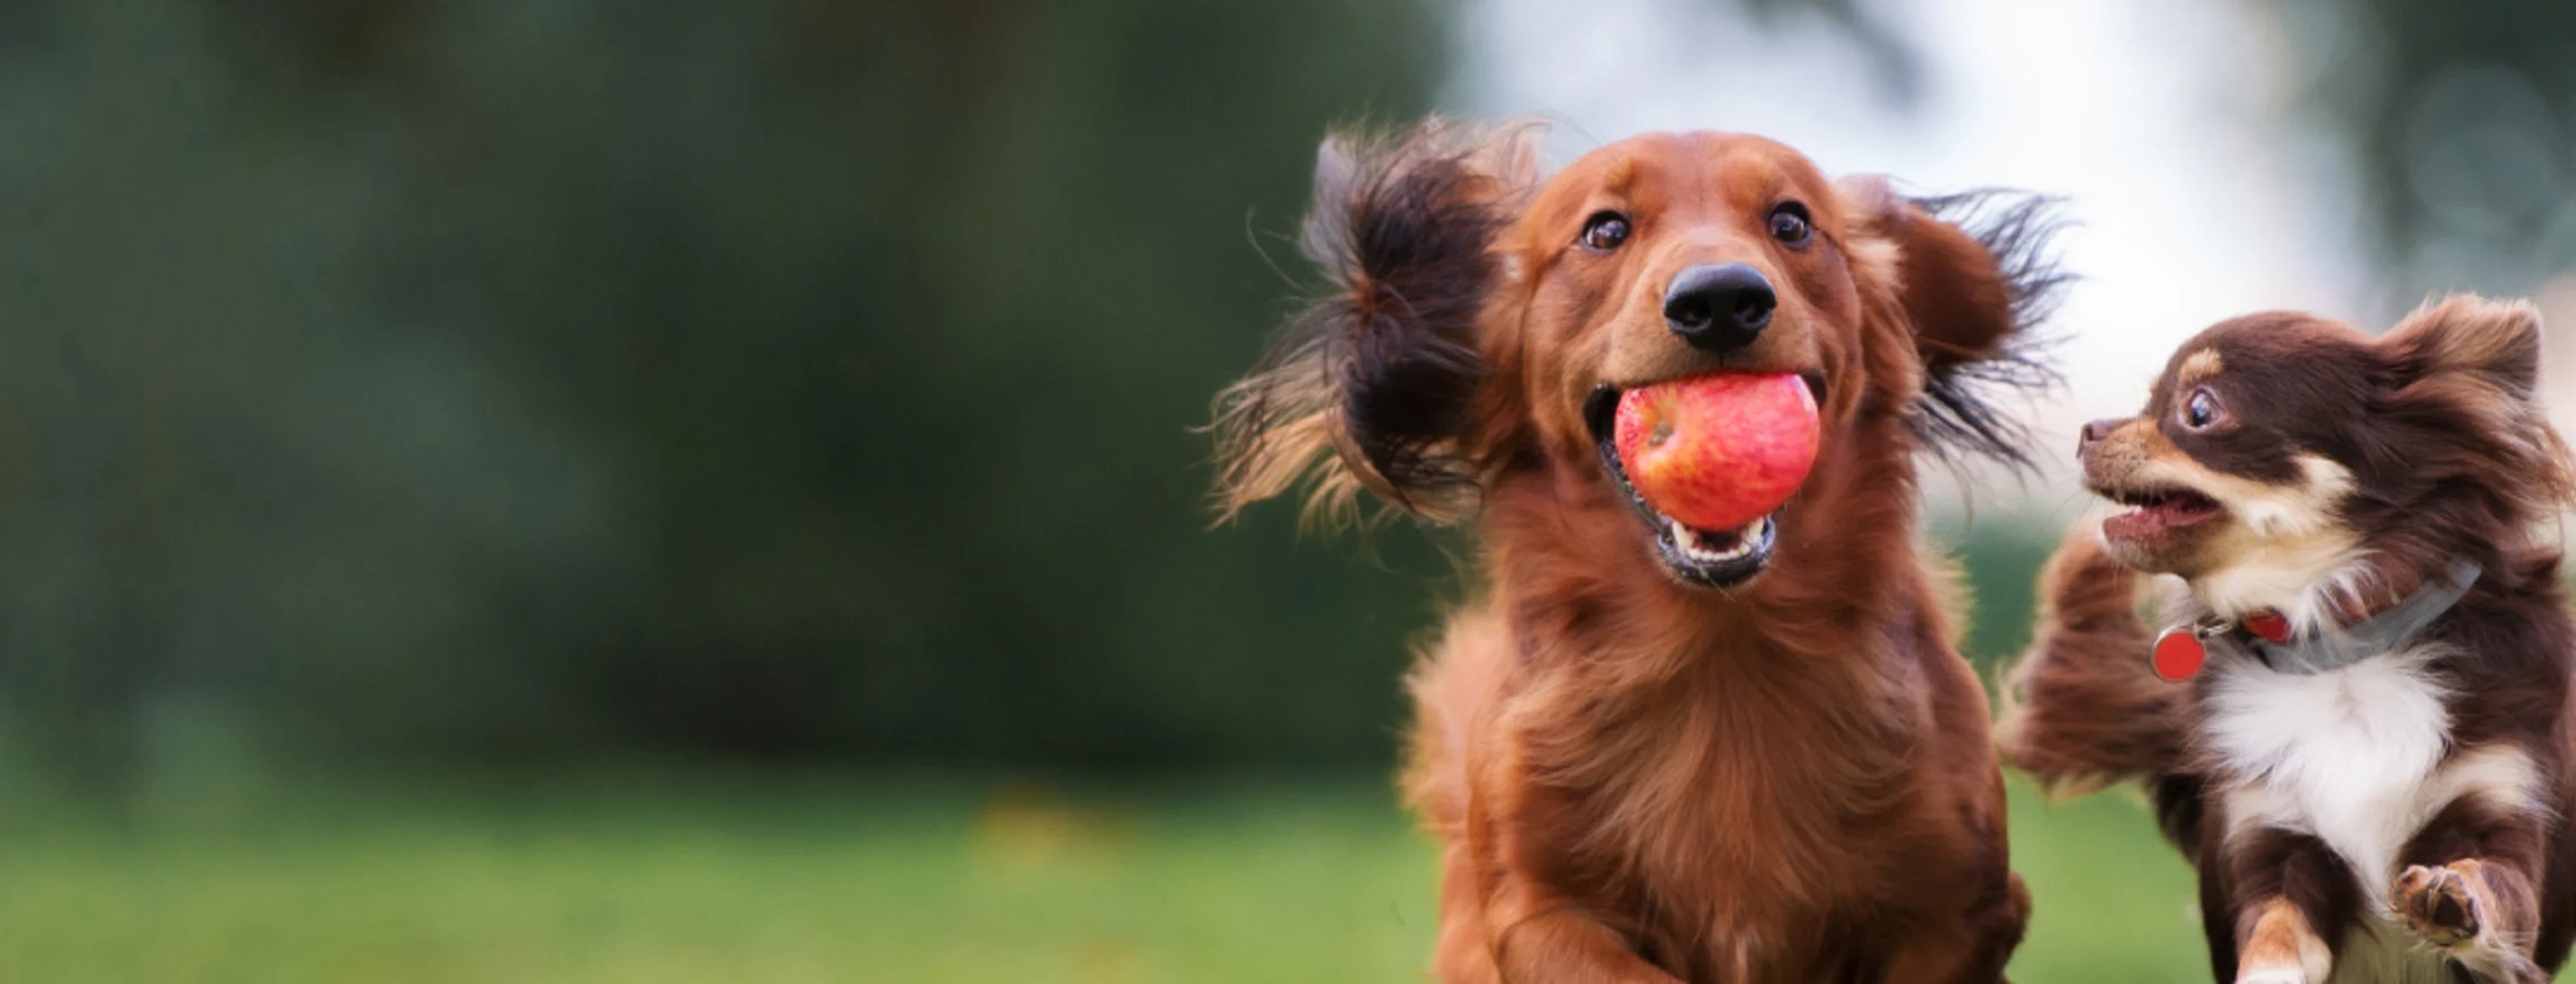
(1790, 224)
(1604, 231)
(2201, 410)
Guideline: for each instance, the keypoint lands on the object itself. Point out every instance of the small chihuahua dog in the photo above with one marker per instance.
(2350, 704)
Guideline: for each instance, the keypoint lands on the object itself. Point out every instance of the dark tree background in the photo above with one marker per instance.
(2461, 118)
(512, 378)
(517, 381)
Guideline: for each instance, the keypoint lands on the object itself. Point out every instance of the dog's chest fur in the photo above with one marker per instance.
(2348, 755)
(2357, 758)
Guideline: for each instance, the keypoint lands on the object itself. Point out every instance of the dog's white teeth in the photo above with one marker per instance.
(1739, 544)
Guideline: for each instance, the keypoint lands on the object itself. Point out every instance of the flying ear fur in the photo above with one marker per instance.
(2471, 366)
(2496, 341)
(1975, 276)
(1373, 384)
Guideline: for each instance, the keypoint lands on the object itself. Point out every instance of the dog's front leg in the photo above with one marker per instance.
(2467, 888)
(1542, 943)
(2480, 914)
(2276, 944)
(1968, 946)
(2288, 886)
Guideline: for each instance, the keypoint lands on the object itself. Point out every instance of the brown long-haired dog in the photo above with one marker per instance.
(1656, 753)
(2366, 749)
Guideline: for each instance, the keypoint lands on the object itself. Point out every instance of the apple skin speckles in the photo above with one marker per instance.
(1718, 451)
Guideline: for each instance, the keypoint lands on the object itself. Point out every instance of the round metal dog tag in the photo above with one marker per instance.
(2179, 653)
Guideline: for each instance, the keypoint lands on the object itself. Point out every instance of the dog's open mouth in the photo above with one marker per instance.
(1714, 558)
(2156, 512)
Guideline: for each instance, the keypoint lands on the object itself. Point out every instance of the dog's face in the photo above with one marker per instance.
(2238, 466)
(1487, 320)
(2281, 456)
(1668, 256)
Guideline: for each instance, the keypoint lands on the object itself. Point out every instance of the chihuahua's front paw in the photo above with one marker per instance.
(2437, 904)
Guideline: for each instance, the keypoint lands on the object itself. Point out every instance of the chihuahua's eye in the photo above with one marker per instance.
(1604, 231)
(1790, 224)
(2201, 410)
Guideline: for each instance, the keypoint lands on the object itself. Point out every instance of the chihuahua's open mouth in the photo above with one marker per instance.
(2155, 512)
(1714, 558)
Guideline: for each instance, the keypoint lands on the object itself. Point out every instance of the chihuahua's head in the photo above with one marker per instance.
(2289, 462)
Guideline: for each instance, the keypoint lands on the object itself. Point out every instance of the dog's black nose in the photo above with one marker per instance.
(1719, 308)
(2095, 430)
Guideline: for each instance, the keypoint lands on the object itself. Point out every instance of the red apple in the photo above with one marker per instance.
(1717, 452)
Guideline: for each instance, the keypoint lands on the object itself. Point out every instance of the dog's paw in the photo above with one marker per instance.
(2436, 903)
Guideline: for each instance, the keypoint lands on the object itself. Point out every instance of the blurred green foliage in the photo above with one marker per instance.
(521, 380)
(2461, 119)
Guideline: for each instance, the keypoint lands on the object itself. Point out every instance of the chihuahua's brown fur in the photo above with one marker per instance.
(2402, 817)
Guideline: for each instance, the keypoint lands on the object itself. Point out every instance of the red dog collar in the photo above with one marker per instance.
(2181, 650)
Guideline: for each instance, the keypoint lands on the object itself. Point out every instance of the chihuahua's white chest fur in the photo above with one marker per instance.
(2356, 758)
(2346, 755)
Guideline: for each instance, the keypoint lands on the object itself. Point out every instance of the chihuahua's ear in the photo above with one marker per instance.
(2467, 369)
(1973, 275)
(1374, 384)
(2494, 342)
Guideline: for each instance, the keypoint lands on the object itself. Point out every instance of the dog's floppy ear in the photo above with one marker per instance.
(2468, 369)
(1374, 384)
(2496, 342)
(1973, 276)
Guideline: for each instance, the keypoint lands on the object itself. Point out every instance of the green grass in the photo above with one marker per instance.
(2111, 902)
(820, 882)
